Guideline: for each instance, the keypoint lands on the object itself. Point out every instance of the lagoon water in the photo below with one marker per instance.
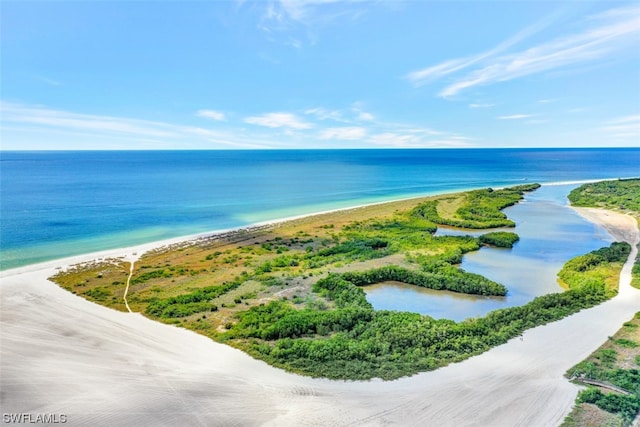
(58, 204)
(550, 234)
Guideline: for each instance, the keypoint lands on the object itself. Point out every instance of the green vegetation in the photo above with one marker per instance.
(479, 209)
(597, 268)
(611, 372)
(292, 294)
(456, 280)
(613, 379)
(500, 239)
(354, 341)
(193, 302)
(623, 194)
(625, 406)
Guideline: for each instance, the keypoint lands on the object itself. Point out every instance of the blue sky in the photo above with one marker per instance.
(319, 74)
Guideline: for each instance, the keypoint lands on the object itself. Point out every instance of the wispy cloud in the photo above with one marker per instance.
(278, 120)
(212, 114)
(305, 17)
(365, 116)
(36, 115)
(515, 116)
(623, 127)
(404, 140)
(38, 127)
(355, 115)
(344, 133)
(361, 114)
(434, 72)
(605, 35)
(30, 119)
(325, 114)
(48, 81)
(485, 105)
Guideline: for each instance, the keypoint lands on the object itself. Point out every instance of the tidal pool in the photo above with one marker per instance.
(550, 233)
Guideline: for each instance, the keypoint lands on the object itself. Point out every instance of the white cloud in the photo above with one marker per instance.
(21, 121)
(609, 33)
(481, 105)
(41, 116)
(212, 114)
(434, 72)
(344, 133)
(365, 116)
(358, 108)
(627, 119)
(278, 120)
(400, 140)
(389, 139)
(623, 127)
(324, 114)
(515, 116)
(304, 18)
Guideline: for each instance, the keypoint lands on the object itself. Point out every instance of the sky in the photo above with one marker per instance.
(318, 74)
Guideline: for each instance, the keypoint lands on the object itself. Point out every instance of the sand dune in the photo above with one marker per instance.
(64, 355)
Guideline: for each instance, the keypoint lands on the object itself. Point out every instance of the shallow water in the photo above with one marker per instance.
(550, 234)
(58, 204)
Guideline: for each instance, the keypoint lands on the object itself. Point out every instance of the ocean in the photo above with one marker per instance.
(62, 203)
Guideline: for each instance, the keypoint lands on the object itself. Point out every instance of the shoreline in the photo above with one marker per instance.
(135, 251)
(64, 354)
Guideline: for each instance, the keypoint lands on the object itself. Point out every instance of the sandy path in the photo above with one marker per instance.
(132, 262)
(62, 354)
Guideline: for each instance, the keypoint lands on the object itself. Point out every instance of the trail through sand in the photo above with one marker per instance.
(61, 354)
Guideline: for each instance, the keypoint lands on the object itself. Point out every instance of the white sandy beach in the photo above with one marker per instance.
(61, 354)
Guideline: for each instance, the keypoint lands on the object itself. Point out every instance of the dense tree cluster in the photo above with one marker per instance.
(593, 268)
(481, 209)
(501, 239)
(456, 280)
(620, 194)
(354, 341)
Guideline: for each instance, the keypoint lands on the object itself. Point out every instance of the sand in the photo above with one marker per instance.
(61, 354)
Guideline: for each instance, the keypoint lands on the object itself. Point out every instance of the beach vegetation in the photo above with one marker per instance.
(626, 406)
(476, 209)
(354, 341)
(500, 239)
(622, 195)
(597, 268)
(307, 311)
(613, 378)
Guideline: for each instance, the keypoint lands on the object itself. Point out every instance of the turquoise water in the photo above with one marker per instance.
(58, 204)
(550, 233)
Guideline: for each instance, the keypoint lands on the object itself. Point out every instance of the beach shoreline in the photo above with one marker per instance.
(134, 251)
(64, 354)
